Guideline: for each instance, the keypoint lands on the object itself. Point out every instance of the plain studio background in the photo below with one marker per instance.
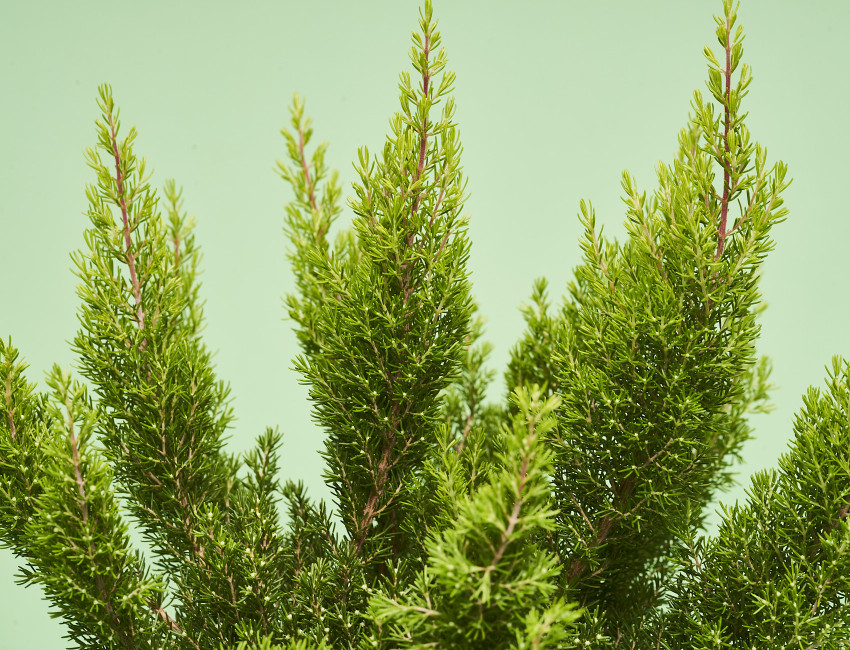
(554, 100)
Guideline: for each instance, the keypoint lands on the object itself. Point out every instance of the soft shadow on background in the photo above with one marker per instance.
(554, 100)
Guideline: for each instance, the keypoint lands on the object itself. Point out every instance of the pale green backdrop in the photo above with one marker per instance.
(554, 99)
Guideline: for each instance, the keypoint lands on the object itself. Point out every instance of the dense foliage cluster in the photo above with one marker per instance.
(569, 516)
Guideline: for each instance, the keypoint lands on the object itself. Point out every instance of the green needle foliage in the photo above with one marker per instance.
(568, 516)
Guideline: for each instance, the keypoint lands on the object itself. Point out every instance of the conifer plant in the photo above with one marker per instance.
(568, 516)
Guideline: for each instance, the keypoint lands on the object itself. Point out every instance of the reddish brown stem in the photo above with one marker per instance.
(305, 168)
(168, 620)
(577, 566)
(104, 596)
(371, 509)
(131, 259)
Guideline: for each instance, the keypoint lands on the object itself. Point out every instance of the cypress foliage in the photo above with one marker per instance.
(568, 516)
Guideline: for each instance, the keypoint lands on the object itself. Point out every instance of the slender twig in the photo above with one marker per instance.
(305, 169)
(724, 202)
(11, 410)
(105, 597)
(131, 258)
